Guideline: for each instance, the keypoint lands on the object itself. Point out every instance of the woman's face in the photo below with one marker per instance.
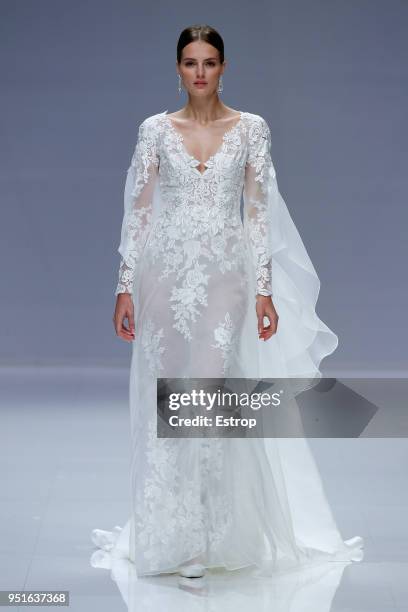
(200, 62)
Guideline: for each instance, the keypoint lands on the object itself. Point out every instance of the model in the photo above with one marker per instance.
(206, 293)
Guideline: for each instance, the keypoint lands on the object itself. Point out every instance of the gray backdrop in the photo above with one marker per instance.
(78, 77)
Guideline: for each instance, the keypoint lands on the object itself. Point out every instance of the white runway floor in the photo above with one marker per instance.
(64, 471)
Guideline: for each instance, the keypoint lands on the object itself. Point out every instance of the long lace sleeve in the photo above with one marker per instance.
(138, 197)
(257, 203)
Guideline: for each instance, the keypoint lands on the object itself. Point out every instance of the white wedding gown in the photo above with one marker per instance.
(194, 269)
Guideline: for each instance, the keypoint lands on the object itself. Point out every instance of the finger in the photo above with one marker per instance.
(126, 334)
(269, 330)
(261, 325)
(270, 333)
(125, 329)
(126, 338)
(120, 327)
(131, 320)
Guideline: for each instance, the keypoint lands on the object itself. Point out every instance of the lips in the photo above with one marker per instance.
(200, 82)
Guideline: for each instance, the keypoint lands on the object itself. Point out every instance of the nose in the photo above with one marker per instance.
(200, 71)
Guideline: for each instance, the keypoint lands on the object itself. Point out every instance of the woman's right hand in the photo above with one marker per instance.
(124, 310)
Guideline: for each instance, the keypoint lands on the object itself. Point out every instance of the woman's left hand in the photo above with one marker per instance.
(265, 308)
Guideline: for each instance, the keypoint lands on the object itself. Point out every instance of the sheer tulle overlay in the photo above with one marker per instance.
(194, 267)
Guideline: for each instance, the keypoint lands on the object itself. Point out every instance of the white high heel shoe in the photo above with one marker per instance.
(194, 570)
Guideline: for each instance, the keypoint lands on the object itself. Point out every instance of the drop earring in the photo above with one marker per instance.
(179, 84)
(220, 85)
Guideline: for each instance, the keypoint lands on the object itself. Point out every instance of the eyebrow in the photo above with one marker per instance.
(193, 58)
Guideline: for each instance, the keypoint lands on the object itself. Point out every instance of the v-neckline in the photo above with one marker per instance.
(198, 162)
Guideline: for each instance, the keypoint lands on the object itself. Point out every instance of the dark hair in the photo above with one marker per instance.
(200, 32)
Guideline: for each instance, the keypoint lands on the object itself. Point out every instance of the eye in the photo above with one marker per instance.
(190, 63)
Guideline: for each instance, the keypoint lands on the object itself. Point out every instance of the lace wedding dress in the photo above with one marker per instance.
(194, 267)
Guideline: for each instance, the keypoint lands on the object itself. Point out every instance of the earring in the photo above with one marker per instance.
(179, 83)
(220, 84)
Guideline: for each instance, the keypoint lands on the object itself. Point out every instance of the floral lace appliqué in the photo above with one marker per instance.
(151, 344)
(225, 335)
(171, 512)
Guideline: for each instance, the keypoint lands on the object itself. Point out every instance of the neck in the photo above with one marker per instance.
(205, 111)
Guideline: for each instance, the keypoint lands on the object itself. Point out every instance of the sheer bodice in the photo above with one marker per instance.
(202, 209)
